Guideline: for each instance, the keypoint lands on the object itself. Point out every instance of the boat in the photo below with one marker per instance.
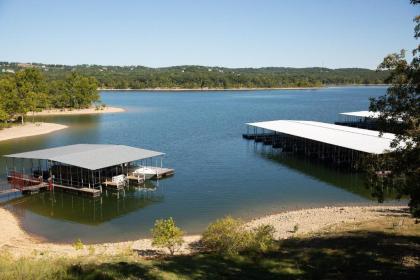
(145, 172)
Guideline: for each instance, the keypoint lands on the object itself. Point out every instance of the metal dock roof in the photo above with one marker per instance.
(357, 139)
(90, 156)
(362, 114)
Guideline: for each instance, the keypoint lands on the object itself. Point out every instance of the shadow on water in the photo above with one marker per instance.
(354, 182)
(85, 210)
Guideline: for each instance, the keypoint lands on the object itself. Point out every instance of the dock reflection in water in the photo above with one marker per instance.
(354, 182)
(85, 210)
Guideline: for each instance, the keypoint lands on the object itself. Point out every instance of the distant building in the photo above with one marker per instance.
(25, 65)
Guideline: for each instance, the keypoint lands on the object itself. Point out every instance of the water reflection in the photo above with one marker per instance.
(83, 210)
(350, 181)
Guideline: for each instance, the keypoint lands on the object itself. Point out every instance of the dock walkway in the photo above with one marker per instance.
(90, 192)
(163, 172)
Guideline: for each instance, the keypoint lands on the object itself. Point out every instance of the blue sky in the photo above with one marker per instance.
(231, 33)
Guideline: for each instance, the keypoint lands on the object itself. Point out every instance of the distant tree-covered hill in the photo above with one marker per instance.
(202, 77)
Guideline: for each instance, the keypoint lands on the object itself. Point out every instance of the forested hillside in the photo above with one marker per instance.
(202, 77)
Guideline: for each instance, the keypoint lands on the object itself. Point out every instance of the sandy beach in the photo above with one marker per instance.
(19, 243)
(38, 128)
(87, 111)
(29, 129)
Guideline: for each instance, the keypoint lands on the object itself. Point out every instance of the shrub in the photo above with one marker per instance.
(78, 244)
(5, 125)
(226, 236)
(263, 238)
(167, 235)
(295, 228)
(91, 250)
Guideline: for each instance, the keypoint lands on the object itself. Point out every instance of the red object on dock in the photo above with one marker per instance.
(20, 181)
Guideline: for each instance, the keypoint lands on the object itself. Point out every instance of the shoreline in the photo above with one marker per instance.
(87, 111)
(39, 128)
(312, 220)
(240, 89)
(29, 129)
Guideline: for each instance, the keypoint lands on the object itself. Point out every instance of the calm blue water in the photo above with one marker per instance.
(217, 172)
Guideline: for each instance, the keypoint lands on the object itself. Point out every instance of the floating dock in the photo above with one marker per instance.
(163, 172)
(340, 145)
(88, 192)
(82, 169)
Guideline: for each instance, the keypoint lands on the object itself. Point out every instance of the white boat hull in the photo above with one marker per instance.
(145, 172)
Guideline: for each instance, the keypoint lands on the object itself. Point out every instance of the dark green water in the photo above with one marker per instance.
(217, 172)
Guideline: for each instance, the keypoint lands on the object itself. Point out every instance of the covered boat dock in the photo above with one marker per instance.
(338, 144)
(360, 119)
(83, 168)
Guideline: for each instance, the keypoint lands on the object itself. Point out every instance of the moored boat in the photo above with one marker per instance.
(146, 172)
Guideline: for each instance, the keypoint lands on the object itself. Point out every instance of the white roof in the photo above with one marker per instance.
(358, 139)
(362, 114)
(90, 156)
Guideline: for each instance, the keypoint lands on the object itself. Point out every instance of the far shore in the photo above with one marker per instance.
(29, 129)
(240, 89)
(87, 111)
(309, 221)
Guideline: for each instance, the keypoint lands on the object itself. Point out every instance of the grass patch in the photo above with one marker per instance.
(383, 249)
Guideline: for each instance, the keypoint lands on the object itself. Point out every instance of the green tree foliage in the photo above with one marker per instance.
(227, 236)
(400, 110)
(80, 91)
(202, 77)
(9, 102)
(167, 235)
(29, 84)
(29, 91)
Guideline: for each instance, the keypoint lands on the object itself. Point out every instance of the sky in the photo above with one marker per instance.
(228, 33)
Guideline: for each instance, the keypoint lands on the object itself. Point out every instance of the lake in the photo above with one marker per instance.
(217, 172)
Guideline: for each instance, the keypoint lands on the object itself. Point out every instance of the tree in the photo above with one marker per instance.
(29, 82)
(28, 91)
(81, 91)
(35, 102)
(9, 101)
(58, 96)
(167, 235)
(400, 110)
